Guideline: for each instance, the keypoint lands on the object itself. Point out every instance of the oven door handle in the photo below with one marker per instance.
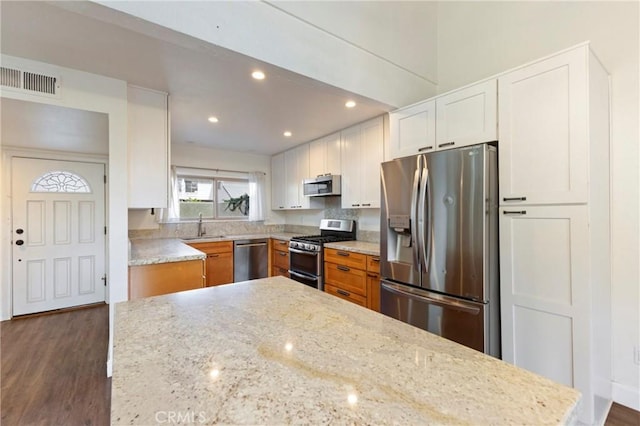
(305, 276)
(306, 253)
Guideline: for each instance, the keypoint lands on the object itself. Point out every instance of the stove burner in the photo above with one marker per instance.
(321, 239)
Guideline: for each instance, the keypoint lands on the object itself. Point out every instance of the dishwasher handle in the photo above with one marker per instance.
(251, 245)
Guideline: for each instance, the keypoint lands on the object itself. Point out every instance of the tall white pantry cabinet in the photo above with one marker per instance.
(553, 128)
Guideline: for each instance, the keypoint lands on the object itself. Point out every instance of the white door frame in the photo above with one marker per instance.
(8, 153)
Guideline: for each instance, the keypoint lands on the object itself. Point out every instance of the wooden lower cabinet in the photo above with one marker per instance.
(353, 277)
(279, 258)
(219, 262)
(164, 278)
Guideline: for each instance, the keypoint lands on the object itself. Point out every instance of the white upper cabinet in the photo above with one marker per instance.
(464, 117)
(324, 156)
(148, 148)
(278, 185)
(288, 170)
(362, 152)
(467, 116)
(544, 120)
(413, 130)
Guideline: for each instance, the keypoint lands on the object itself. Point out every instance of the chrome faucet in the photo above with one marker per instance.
(201, 230)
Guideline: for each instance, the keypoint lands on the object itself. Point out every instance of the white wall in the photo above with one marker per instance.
(479, 39)
(263, 31)
(88, 92)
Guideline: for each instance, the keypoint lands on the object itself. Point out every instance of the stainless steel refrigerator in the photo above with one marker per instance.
(439, 244)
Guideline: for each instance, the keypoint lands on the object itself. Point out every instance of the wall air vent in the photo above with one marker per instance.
(10, 77)
(30, 82)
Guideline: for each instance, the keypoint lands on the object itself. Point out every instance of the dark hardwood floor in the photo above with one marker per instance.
(619, 415)
(53, 369)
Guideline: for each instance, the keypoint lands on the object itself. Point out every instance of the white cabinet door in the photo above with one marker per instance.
(148, 147)
(291, 179)
(324, 156)
(317, 157)
(544, 285)
(467, 116)
(350, 155)
(372, 152)
(543, 125)
(332, 158)
(278, 183)
(413, 130)
(362, 152)
(302, 155)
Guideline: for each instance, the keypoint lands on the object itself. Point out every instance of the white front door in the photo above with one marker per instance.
(57, 234)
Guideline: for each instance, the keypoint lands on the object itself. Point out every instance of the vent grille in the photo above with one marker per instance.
(10, 78)
(33, 82)
(39, 83)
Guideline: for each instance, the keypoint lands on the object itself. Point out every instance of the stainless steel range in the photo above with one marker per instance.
(306, 252)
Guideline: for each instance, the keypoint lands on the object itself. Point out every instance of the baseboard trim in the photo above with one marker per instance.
(626, 395)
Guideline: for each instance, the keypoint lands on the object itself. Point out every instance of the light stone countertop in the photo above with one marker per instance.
(273, 351)
(363, 247)
(166, 250)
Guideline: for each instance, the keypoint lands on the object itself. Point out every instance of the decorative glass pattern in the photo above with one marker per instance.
(60, 181)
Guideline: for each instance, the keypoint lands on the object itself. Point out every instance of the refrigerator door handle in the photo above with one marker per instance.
(433, 299)
(425, 220)
(414, 213)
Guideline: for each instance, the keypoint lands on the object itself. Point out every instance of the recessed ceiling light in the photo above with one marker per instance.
(213, 119)
(350, 104)
(258, 75)
(287, 134)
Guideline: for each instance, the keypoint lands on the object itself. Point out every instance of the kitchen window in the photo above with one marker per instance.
(213, 197)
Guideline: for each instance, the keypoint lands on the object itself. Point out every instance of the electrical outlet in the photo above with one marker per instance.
(636, 355)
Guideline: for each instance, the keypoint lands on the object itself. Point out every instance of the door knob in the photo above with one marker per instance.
(19, 231)
(19, 242)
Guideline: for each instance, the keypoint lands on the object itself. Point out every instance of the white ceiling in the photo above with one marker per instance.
(202, 79)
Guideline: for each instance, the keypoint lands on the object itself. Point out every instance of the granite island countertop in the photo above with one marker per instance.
(273, 351)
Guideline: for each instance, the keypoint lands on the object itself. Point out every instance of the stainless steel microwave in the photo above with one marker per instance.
(322, 186)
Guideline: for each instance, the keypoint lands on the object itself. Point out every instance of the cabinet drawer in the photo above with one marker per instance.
(214, 247)
(280, 259)
(280, 245)
(373, 264)
(346, 295)
(346, 278)
(346, 258)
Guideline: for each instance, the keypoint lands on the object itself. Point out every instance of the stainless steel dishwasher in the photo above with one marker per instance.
(250, 259)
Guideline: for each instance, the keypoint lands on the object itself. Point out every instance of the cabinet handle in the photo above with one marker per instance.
(282, 243)
(514, 199)
(366, 205)
(281, 207)
(342, 253)
(520, 212)
(425, 148)
(282, 253)
(355, 205)
(343, 268)
(446, 144)
(342, 292)
(372, 275)
(214, 255)
(375, 259)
